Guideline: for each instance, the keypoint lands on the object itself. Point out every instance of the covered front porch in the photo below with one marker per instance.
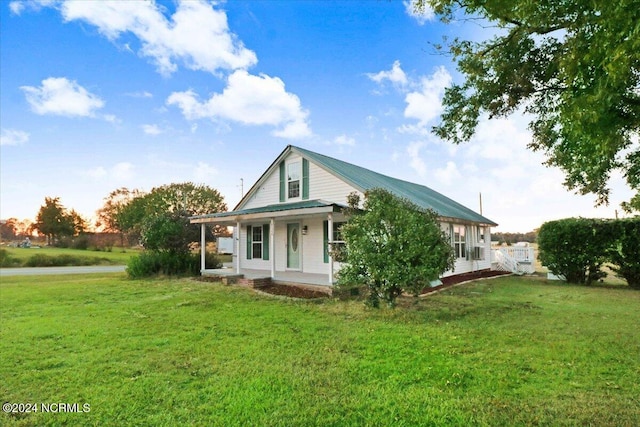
(293, 277)
(291, 244)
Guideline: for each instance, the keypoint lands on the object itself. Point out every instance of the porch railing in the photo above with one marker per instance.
(517, 259)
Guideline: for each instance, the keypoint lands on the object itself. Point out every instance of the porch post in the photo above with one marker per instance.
(203, 247)
(329, 242)
(272, 246)
(237, 235)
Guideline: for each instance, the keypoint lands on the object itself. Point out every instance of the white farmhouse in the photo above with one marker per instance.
(285, 224)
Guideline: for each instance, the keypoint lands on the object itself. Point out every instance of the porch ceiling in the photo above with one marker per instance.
(297, 209)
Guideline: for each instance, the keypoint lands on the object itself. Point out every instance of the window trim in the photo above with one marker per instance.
(297, 164)
(459, 244)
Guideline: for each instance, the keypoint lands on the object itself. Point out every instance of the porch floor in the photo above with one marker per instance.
(281, 276)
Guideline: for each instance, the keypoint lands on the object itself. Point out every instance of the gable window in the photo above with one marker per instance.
(459, 241)
(294, 174)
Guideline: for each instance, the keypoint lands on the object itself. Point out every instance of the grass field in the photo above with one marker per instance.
(508, 351)
(116, 256)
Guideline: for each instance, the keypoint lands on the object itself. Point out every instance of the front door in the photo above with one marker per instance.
(293, 246)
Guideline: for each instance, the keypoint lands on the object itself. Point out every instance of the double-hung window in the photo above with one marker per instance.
(459, 241)
(480, 234)
(294, 173)
(258, 241)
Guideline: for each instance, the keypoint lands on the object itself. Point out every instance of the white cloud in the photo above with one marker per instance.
(141, 94)
(395, 75)
(111, 118)
(422, 14)
(152, 129)
(425, 104)
(416, 161)
(203, 172)
(13, 137)
(18, 6)
(63, 97)
(449, 174)
(250, 100)
(344, 140)
(196, 35)
(97, 172)
(122, 171)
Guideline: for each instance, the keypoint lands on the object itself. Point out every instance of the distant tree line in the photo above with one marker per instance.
(511, 238)
(157, 220)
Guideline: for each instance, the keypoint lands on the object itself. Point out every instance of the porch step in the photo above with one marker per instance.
(227, 279)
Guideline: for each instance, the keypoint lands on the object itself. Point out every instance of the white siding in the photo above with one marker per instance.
(257, 264)
(462, 265)
(325, 186)
(322, 186)
(314, 247)
(267, 194)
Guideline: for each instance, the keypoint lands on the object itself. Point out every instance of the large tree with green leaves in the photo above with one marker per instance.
(171, 202)
(573, 65)
(392, 246)
(54, 221)
(113, 218)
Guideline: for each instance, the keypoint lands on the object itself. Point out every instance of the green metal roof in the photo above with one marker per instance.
(306, 204)
(365, 179)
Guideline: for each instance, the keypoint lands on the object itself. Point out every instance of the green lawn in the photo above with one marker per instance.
(508, 351)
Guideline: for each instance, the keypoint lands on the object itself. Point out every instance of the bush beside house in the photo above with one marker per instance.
(577, 248)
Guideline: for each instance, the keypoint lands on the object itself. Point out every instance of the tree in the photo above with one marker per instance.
(184, 197)
(169, 232)
(392, 246)
(53, 221)
(114, 217)
(162, 219)
(625, 252)
(79, 223)
(8, 229)
(573, 65)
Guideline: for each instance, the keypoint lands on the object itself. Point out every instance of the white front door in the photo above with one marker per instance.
(293, 246)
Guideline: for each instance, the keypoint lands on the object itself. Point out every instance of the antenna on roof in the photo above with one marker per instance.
(481, 203)
(241, 187)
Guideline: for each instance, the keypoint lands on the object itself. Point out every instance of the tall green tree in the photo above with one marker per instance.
(392, 246)
(53, 221)
(115, 217)
(573, 65)
(132, 211)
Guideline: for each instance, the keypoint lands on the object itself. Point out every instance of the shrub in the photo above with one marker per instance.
(392, 246)
(6, 260)
(42, 260)
(625, 253)
(80, 242)
(153, 263)
(575, 248)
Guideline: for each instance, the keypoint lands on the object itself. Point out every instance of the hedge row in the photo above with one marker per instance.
(577, 248)
(154, 263)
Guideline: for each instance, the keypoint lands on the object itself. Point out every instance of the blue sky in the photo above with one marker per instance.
(99, 95)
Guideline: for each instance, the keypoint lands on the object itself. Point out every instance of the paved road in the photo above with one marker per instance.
(39, 271)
